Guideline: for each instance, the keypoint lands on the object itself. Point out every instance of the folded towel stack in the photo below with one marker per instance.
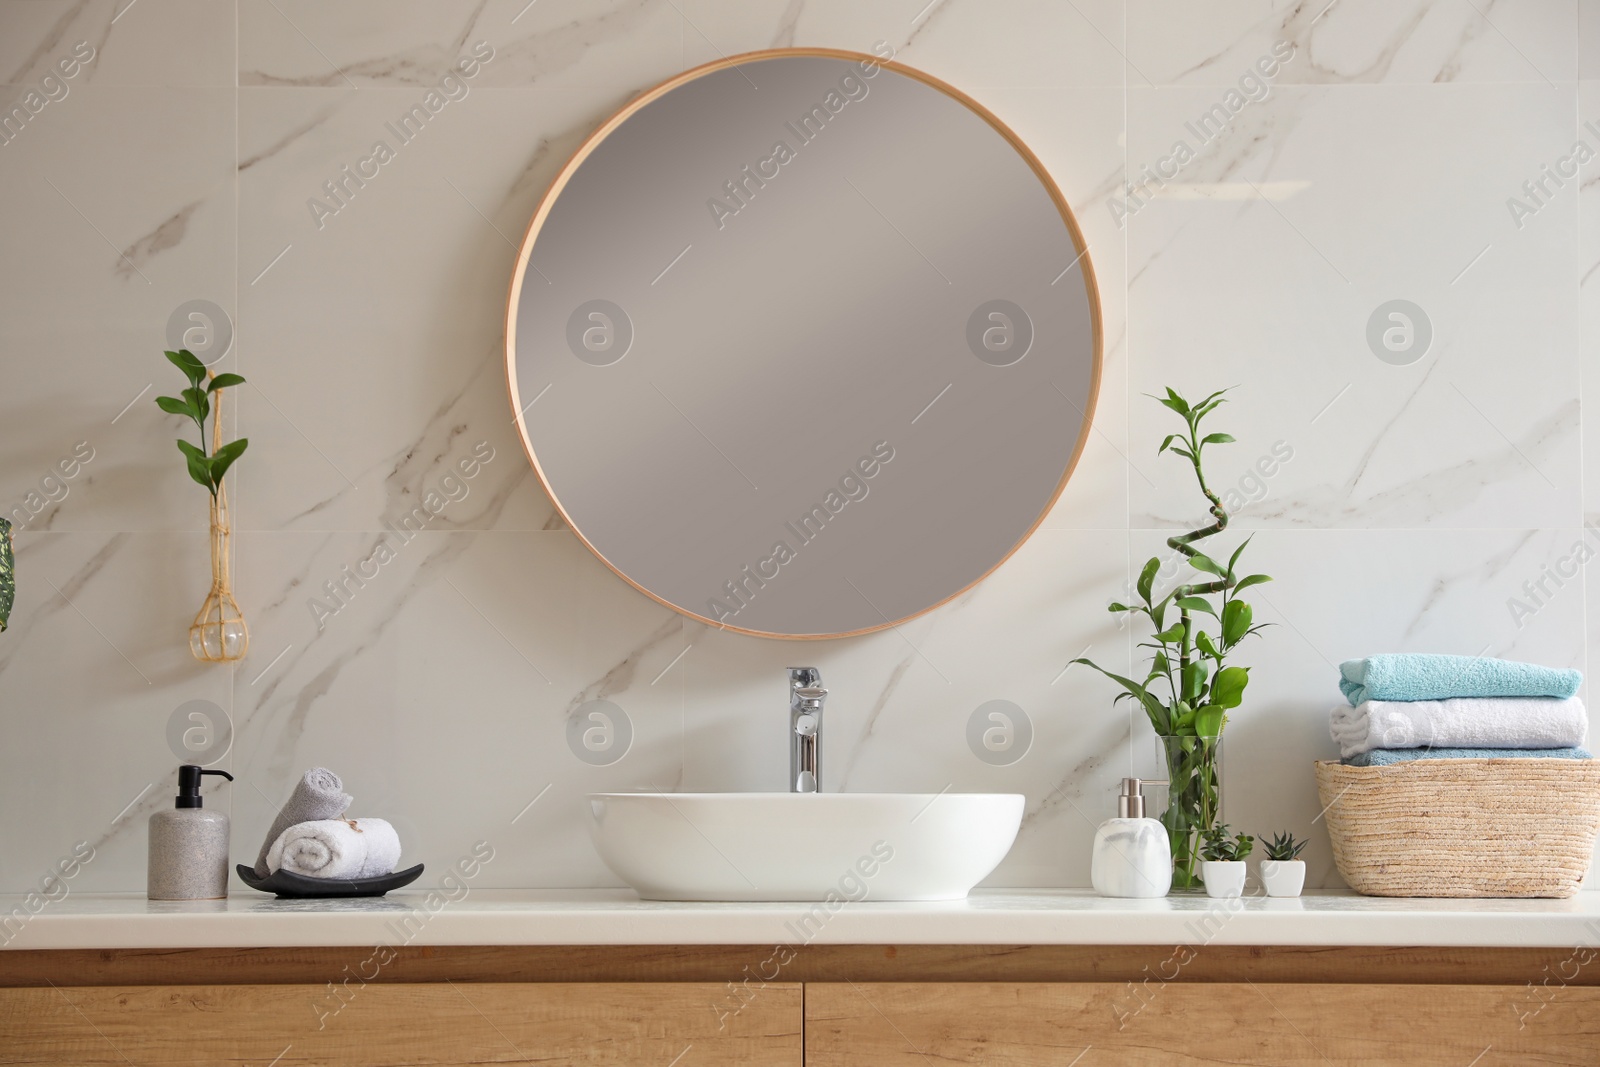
(311, 837)
(1404, 707)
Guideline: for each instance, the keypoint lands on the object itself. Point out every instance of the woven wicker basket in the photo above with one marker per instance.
(1463, 827)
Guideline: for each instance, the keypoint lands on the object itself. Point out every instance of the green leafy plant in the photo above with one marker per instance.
(1219, 847)
(1282, 846)
(8, 578)
(206, 465)
(1190, 687)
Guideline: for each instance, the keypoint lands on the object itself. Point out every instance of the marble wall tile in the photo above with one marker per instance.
(551, 44)
(992, 43)
(1353, 41)
(1587, 203)
(1262, 264)
(162, 43)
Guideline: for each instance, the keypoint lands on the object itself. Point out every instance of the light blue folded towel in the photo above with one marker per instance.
(1419, 676)
(1386, 757)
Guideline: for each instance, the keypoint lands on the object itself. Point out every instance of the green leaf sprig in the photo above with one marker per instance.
(206, 467)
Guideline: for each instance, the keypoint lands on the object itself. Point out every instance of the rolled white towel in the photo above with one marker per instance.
(318, 795)
(1461, 722)
(336, 848)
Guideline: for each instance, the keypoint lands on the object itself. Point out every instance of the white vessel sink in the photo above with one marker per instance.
(804, 846)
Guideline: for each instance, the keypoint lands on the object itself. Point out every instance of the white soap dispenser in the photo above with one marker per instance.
(1132, 854)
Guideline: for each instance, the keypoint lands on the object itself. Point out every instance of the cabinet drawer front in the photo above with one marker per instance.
(692, 1024)
(1190, 1024)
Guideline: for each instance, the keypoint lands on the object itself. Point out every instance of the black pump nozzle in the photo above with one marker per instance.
(189, 784)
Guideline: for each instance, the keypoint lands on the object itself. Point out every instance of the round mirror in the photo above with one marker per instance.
(803, 343)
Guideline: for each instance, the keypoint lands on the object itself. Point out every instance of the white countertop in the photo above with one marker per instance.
(617, 917)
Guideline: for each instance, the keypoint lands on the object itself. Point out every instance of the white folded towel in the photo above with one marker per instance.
(336, 848)
(1461, 722)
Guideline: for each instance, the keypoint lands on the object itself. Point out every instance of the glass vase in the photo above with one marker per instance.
(219, 633)
(1194, 801)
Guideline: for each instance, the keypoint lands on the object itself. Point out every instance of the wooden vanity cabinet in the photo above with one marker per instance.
(669, 1024)
(1001, 1024)
(831, 1006)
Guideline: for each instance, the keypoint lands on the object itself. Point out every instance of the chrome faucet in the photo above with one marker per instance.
(805, 729)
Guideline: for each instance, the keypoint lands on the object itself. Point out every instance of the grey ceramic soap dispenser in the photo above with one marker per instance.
(189, 845)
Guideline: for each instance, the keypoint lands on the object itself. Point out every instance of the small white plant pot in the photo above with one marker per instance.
(1283, 878)
(1223, 878)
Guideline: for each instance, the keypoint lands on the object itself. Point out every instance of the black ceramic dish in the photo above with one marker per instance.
(289, 884)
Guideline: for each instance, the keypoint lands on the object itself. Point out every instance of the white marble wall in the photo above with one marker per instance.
(1418, 500)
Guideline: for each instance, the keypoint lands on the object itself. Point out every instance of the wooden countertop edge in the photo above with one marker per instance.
(807, 963)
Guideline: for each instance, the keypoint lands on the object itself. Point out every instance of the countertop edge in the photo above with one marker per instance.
(606, 917)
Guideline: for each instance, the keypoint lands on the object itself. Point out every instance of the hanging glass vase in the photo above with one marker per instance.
(219, 633)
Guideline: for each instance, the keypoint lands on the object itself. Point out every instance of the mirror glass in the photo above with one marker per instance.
(803, 343)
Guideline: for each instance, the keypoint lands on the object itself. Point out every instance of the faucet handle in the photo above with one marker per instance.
(810, 697)
(802, 677)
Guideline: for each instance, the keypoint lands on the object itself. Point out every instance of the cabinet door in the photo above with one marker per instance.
(1180, 1024)
(687, 1024)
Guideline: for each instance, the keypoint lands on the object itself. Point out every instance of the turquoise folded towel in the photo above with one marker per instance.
(1386, 757)
(1419, 676)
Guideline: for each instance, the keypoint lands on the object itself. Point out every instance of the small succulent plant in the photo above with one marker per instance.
(1219, 847)
(1282, 846)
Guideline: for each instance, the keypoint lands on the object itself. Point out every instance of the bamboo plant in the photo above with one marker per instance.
(1197, 626)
